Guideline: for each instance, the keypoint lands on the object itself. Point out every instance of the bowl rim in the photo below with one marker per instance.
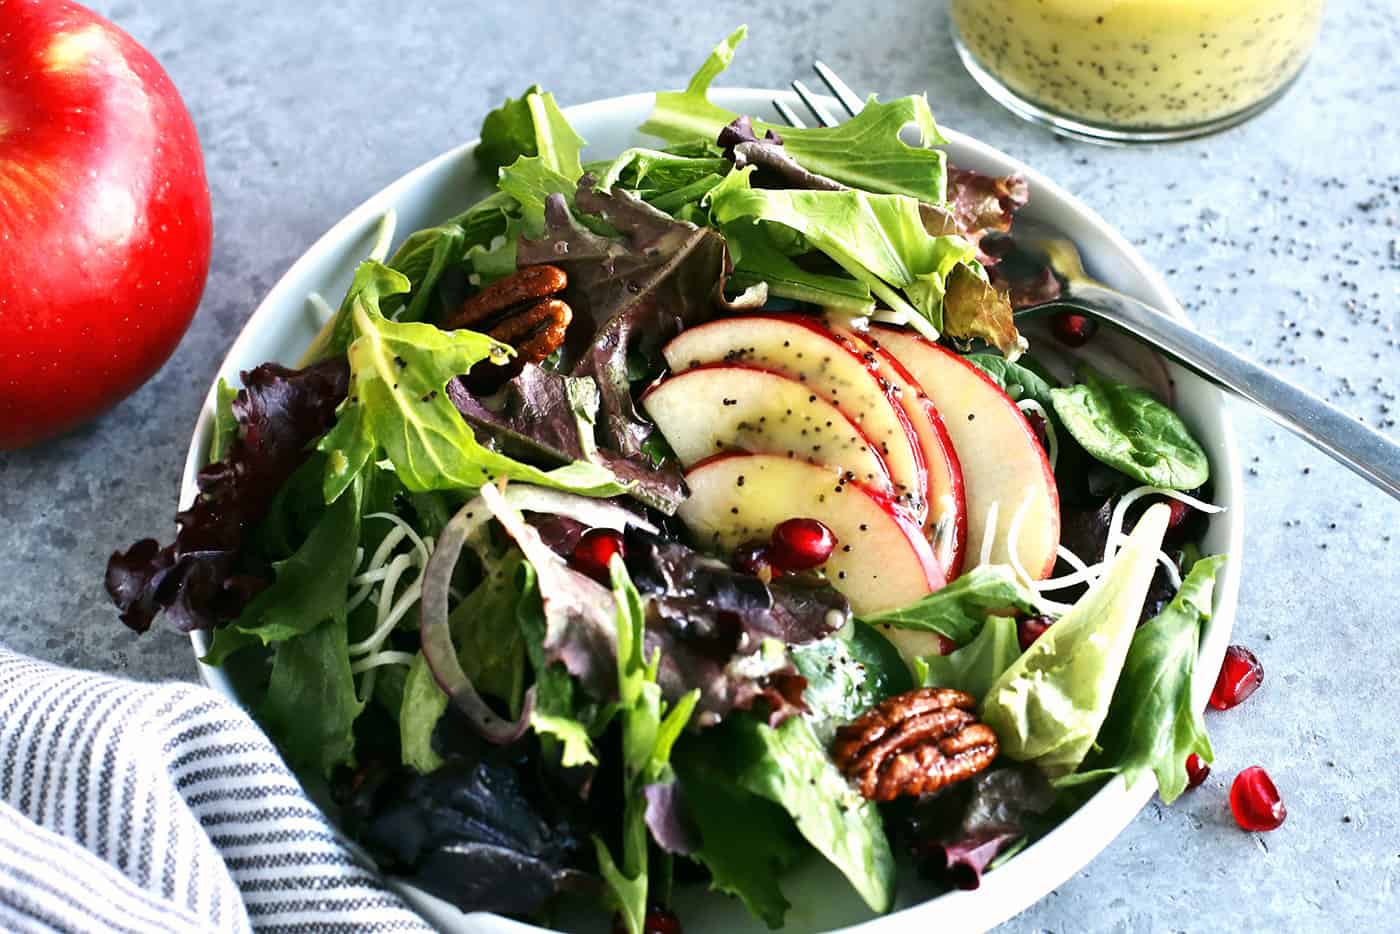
(1051, 860)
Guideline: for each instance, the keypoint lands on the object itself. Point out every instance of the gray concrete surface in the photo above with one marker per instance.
(1280, 237)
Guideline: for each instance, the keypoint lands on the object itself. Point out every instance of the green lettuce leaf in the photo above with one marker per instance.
(642, 169)
(1048, 706)
(758, 259)
(1154, 723)
(879, 239)
(975, 667)
(864, 152)
(1130, 431)
(311, 704)
(423, 704)
(746, 841)
(960, 609)
(790, 767)
(398, 405)
(553, 167)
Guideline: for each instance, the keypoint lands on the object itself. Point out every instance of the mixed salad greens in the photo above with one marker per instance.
(527, 620)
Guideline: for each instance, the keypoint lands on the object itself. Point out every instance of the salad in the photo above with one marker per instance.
(677, 519)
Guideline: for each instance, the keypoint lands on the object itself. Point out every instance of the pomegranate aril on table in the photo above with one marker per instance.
(594, 552)
(801, 544)
(1196, 771)
(1240, 675)
(1255, 801)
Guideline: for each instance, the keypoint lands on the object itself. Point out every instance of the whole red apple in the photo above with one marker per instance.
(104, 217)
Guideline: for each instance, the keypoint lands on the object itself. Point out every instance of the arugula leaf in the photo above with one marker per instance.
(1048, 706)
(790, 767)
(960, 609)
(864, 152)
(847, 674)
(880, 239)
(422, 259)
(975, 667)
(553, 167)
(398, 404)
(1015, 379)
(225, 423)
(1130, 431)
(746, 842)
(311, 704)
(1154, 723)
(649, 731)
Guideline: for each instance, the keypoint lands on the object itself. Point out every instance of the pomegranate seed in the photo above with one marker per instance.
(1030, 629)
(946, 646)
(658, 921)
(1196, 771)
(594, 553)
(1255, 801)
(1240, 675)
(1179, 512)
(801, 544)
(755, 558)
(1073, 330)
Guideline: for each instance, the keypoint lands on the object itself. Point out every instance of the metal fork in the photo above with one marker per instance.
(1341, 436)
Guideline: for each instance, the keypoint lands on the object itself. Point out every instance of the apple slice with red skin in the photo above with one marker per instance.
(882, 560)
(946, 525)
(1001, 456)
(803, 349)
(725, 409)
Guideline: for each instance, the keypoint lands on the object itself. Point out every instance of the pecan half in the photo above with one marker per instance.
(914, 744)
(520, 310)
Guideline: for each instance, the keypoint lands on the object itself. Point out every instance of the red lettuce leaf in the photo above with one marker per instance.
(197, 581)
(954, 835)
(630, 294)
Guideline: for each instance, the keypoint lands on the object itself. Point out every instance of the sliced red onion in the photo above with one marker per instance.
(436, 636)
(438, 649)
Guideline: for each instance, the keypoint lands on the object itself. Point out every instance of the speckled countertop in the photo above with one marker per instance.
(1281, 237)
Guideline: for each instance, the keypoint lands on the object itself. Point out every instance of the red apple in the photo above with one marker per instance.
(104, 217)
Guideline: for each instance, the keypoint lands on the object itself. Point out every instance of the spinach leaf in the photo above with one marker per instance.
(529, 127)
(790, 767)
(960, 609)
(311, 705)
(848, 673)
(746, 842)
(225, 424)
(1015, 379)
(312, 584)
(975, 667)
(1048, 706)
(398, 405)
(484, 629)
(863, 152)
(649, 731)
(1129, 430)
(1154, 723)
(880, 239)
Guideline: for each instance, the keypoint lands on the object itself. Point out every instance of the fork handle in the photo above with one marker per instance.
(1332, 431)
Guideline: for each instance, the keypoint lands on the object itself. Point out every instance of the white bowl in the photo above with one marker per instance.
(282, 327)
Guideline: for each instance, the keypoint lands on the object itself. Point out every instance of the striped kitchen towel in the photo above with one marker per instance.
(138, 807)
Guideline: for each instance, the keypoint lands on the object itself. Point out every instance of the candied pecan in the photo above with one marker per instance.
(520, 310)
(914, 744)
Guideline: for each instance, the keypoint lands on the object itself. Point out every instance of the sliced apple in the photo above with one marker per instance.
(946, 523)
(882, 560)
(1002, 460)
(803, 349)
(719, 409)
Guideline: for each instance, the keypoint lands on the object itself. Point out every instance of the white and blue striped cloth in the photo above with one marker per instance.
(162, 808)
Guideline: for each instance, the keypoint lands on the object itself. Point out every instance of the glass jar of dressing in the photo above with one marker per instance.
(1135, 70)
